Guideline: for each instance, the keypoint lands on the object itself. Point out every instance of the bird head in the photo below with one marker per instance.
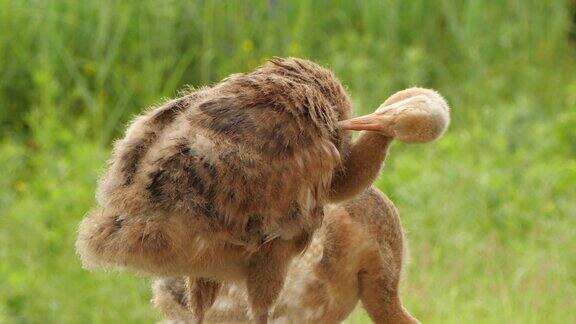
(414, 115)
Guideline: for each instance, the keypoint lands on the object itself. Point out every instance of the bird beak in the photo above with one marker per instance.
(369, 122)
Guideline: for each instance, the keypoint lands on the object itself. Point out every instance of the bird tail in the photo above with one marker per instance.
(107, 239)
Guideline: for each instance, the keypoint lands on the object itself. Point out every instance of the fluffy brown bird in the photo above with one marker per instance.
(359, 251)
(228, 183)
(356, 255)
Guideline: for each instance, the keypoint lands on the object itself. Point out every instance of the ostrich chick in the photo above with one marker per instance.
(228, 183)
(356, 255)
(358, 252)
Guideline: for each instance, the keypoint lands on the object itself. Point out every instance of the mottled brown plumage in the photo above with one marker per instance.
(228, 183)
(357, 255)
(237, 156)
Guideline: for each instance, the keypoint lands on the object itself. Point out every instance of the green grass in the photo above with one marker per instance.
(490, 210)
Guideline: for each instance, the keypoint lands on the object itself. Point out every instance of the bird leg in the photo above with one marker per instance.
(379, 294)
(267, 271)
(202, 293)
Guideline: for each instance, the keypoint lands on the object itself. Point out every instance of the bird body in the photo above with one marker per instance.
(241, 163)
(229, 183)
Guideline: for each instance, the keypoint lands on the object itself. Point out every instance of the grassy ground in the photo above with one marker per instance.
(490, 210)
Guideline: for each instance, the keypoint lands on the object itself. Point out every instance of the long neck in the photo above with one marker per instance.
(362, 166)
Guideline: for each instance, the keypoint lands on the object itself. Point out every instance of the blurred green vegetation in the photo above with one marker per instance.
(490, 210)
